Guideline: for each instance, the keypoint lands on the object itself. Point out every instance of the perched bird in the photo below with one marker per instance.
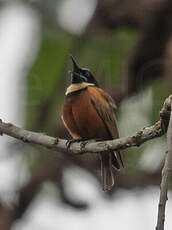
(88, 113)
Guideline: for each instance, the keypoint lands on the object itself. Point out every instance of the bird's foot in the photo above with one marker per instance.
(69, 142)
(83, 144)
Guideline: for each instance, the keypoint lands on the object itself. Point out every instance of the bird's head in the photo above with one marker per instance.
(80, 75)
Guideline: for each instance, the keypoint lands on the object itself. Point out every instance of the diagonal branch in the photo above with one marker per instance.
(166, 173)
(59, 145)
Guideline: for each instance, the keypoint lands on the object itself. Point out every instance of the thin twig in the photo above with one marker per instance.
(166, 173)
(59, 145)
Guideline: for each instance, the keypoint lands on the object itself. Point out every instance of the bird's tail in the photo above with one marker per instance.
(107, 176)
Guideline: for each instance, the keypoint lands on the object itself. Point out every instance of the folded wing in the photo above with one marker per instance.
(105, 107)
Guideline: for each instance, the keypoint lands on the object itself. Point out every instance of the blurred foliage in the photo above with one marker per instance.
(160, 92)
(46, 73)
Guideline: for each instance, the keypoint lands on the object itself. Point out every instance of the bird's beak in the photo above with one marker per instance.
(75, 66)
(75, 74)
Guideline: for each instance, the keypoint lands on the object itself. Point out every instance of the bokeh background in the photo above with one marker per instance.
(128, 47)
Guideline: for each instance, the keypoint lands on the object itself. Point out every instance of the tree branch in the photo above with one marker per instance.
(166, 173)
(59, 145)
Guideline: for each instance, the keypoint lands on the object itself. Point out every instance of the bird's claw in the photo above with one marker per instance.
(69, 142)
(83, 144)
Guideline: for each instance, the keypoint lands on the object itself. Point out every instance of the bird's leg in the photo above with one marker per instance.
(84, 142)
(69, 142)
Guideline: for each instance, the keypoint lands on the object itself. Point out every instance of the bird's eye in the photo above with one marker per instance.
(86, 74)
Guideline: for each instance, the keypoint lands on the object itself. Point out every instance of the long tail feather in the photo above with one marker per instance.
(106, 171)
(117, 161)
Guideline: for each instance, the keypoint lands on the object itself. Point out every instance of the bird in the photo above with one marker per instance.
(89, 113)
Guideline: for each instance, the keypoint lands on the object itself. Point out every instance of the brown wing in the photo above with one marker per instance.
(105, 107)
